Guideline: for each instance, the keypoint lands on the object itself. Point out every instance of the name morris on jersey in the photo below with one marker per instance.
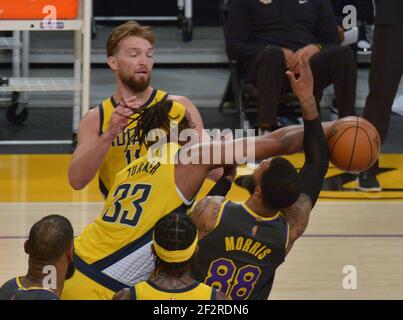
(247, 245)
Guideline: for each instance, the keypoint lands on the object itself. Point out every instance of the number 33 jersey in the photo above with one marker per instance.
(118, 242)
(240, 256)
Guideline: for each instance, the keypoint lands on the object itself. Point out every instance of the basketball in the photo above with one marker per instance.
(354, 144)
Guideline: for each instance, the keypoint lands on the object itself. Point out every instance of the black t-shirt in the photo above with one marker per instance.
(12, 290)
(254, 24)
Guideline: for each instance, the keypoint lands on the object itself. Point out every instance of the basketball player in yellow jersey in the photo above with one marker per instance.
(114, 252)
(103, 132)
(174, 247)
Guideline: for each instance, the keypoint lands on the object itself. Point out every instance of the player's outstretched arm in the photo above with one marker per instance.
(189, 177)
(312, 173)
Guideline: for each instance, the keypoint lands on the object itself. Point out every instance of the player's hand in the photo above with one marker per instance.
(119, 120)
(303, 86)
(310, 50)
(131, 103)
(120, 116)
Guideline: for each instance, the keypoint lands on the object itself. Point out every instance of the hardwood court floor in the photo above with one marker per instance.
(367, 234)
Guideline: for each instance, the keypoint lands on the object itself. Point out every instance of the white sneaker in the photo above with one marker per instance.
(364, 47)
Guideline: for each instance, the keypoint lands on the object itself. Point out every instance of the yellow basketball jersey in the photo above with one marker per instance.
(118, 243)
(118, 157)
(147, 290)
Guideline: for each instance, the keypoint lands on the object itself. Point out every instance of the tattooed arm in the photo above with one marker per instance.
(297, 217)
(205, 214)
(312, 174)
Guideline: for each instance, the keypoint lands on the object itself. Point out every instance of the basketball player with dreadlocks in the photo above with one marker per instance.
(242, 244)
(50, 244)
(174, 247)
(104, 132)
(114, 251)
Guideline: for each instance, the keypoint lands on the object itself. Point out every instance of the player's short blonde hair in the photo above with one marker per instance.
(123, 31)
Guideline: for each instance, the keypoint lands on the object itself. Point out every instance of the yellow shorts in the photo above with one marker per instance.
(80, 287)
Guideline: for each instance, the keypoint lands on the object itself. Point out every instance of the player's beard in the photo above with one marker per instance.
(248, 183)
(135, 84)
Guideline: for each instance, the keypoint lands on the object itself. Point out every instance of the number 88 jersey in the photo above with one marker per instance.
(240, 256)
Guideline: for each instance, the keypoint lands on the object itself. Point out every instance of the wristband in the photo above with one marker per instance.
(221, 188)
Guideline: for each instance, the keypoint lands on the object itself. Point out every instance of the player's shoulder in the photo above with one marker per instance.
(298, 209)
(218, 200)
(91, 121)
(91, 118)
(181, 99)
(175, 97)
(7, 289)
(41, 295)
(11, 282)
(11, 291)
(206, 214)
(93, 113)
(211, 200)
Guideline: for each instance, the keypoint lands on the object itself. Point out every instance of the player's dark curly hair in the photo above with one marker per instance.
(154, 117)
(49, 238)
(175, 231)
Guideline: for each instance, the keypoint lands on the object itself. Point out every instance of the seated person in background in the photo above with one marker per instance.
(266, 37)
(174, 246)
(50, 249)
